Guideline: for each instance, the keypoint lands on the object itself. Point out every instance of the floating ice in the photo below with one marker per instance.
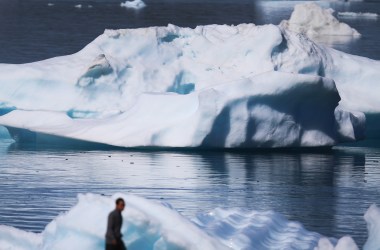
(372, 217)
(78, 6)
(312, 20)
(152, 225)
(365, 15)
(182, 87)
(135, 4)
(344, 243)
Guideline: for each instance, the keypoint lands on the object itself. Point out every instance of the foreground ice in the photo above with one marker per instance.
(212, 86)
(135, 4)
(313, 20)
(152, 225)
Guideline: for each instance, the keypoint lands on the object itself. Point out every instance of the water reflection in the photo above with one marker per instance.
(327, 191)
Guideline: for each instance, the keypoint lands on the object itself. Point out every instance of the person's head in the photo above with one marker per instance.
(120, 204)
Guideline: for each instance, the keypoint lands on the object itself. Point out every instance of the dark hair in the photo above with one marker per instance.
(119, 200)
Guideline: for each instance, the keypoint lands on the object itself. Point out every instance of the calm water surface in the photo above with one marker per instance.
(30, 30)
(327, 191)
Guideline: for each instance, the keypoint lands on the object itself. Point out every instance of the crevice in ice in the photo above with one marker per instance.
(98, 68)
(279, 50)
(72, 113)
(170, 37)
(301, 55)
(5, 109)
(219, 131)
(181, 84)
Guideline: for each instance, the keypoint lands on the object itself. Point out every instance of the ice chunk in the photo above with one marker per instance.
(312, 20)
(364, 15)
(78, 6)
(135, 4)
(148, 225)
(15, 239)
(372, 217)
(344, 243)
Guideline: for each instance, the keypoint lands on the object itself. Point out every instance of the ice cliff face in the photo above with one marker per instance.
(212, 86)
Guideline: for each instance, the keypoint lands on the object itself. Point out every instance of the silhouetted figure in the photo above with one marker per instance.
(113, 234)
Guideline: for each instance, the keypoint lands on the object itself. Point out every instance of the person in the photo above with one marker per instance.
(115, 221)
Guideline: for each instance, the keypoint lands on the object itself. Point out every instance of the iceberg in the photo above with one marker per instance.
(313, 20)
(135, 4)
(364, 15)
(373, 225)
(149, 224)
(183, 87)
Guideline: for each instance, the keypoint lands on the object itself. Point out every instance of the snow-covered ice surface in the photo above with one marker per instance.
(182, 87)
(313, 20)
(152, 225)
(135, 4)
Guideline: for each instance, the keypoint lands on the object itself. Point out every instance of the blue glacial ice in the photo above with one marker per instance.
(213, 86)
(152, 225)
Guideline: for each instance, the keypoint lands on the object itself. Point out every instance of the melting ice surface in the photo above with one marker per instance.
(152, 225)
(172, 87)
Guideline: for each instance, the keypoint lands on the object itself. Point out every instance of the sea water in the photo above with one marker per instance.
(328, 191)
(35, 30)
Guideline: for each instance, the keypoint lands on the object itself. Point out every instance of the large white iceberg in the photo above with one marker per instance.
(212, 86)
(313, 20)
(152, 225)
